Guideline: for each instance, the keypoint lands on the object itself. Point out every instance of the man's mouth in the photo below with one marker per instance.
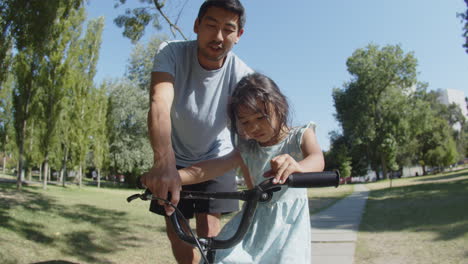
(216, 46)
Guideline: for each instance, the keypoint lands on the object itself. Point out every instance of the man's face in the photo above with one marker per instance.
(217, 32)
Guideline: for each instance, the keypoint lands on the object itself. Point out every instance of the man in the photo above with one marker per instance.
(190, 86)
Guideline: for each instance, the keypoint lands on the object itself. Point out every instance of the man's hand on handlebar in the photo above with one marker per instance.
(163, 179)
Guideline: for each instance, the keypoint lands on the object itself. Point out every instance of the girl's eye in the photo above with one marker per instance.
(260, 117)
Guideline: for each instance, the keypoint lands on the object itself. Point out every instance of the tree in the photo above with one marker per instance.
(99, 138)
(432, 130)
(371, 108)
(141, 62)
(87, 54)
(464, 20)
(130, 150)
(29, 27)
(134, 21)
(54, 73)
(7, 135)
(338, 158)
(27, 64)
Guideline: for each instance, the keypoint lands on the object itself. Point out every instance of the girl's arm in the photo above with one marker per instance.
(245, 173)
(210, 169)
(284, 165)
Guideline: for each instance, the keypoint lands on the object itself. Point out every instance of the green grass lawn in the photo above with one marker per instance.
(419, 220)
(91, 225)
(322, 198)
(87, 225)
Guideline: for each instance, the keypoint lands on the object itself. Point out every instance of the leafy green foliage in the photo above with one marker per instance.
(432, 130)
(135, 21)
(141, 62)
(464, 20)
(82, 111)
(129, 144)
(371, 108)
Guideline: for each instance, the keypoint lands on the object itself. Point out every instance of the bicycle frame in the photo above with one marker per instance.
(261, 193)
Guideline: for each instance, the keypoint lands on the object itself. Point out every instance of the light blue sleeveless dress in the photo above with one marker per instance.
(280, 231)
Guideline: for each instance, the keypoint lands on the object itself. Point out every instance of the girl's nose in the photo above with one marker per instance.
(252, 128)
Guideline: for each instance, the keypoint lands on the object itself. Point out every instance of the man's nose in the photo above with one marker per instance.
(219, 35)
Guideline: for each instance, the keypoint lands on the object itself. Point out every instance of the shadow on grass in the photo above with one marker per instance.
(110, 225)
(443, 177)
(31, 201)
(55, 262)
(431, 207)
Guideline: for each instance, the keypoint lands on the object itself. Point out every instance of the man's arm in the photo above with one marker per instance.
(210, 169)
(163, 176)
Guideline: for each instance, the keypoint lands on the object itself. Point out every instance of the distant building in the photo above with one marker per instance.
(450, 96)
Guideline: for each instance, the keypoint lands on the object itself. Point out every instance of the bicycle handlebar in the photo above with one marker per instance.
(262, 192)
(314, 179)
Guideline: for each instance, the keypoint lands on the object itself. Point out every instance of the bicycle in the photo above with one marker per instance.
(263, 192)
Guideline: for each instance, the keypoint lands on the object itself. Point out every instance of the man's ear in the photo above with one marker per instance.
(195, 26)
(239, 34)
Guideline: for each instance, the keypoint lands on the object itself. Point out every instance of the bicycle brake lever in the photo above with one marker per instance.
(133, 197)
(147, 195)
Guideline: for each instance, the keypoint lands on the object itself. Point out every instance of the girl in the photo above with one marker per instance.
(266, 147)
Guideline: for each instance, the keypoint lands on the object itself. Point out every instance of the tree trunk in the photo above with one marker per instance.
(20, 157)
(4, 163)
(63, 171)
(46, 171)
(40, 172)
(383, 163)
(377, 176)
(98, 178)
(80, 176)
(29, 173)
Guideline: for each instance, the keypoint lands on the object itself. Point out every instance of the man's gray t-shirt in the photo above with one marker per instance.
(199, 110)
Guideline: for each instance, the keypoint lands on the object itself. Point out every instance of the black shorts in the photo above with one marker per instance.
(188, 207)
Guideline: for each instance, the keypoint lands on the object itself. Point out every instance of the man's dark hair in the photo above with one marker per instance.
(234, 6)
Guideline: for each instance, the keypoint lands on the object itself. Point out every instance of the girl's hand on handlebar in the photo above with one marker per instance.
(160, 181)
(281, 167)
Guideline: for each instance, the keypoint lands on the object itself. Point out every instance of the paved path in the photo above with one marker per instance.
(334, 230)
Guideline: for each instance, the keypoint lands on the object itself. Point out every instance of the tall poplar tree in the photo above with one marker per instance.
(82, 84)
(100, 133)
(54, 73)
(30, 24)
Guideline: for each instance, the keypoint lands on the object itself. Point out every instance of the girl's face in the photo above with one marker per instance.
(255, 125)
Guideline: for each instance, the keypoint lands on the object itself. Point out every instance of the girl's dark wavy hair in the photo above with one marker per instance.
(251, 88)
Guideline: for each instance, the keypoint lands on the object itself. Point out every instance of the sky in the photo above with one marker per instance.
(303, 45)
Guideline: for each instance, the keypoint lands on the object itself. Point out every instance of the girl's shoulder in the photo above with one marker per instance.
(296, 133)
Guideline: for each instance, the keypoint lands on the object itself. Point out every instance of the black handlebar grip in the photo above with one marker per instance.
(314, 179)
